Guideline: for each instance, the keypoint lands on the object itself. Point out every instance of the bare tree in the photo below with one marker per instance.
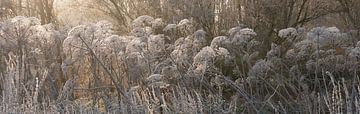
(34, 8)
(7, 9)
(270, 16)
(350, 11)
(45, 11)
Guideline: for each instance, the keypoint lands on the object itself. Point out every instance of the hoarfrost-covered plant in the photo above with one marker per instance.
(253, 46)
(43, 35)
(142, 21)
(170, 28)
(139, 32)
(21, 22)
(171, 31)
(170, 72)
(181, 57)
(355, 52)
(330, 36)
(92, 34)
(103, 29)
(233, 31)
(288, 32)
(274, 52)
(140, 63)
(137, 65)
(156, 44)
(203, 59)
(262, 69)
(136, 45)
(17, 26)
(220, 41)
(184, 23)
(186, 48)
(318, 54)
(310, 65)
(182, 52)
(199, 34)
(199, 40)
(242, 37)
(185, 27)
(113, 45)
(304, 49)
(28, 31)
(223, 54)
(207, 54)
(158, 25)
(207, 58)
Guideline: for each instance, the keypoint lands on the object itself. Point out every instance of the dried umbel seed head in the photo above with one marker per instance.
(355, 53)
(274, 52)
(233, 31)
(158, 25)
(289, 32)
(243, 36)
(169, 28)
(331, 36)
(254, 45)
(142, 21)
(156, 44)
(220, 41)
(138, 32)
(185, 27)
(199, 39)
(262, 68)
(23, 22)
(206, 54)
(358, 44)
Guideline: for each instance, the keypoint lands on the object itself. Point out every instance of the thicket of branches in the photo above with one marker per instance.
(189, 60)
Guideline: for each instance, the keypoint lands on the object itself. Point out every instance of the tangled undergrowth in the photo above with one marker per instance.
(172, 68)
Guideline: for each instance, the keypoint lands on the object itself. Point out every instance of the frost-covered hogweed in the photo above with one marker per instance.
(199, 38)
(262, 69)
(206, 55)
(170, 28)
(158, 25)
(304, 49)
(274, 52)
(242, 37)
(142, 21)
(139, 32)
(233, 31)
(24, 22)
(156, 44)
(43, 35)
(113, 44)
(185, 27)
(91, 35)
(222, 54)
(254, 46)
(220, 41)
(19, 25)
(136, 45)
(155, 55)
(29, 31)
(355, 52)
(289, 32)
(330, 36)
